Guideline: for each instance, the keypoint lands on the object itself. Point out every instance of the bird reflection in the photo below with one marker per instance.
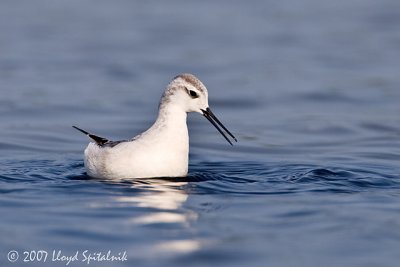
(163, 201)
(164, 198)
(159, 201)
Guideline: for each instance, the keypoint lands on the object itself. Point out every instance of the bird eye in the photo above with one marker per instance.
(193, 94)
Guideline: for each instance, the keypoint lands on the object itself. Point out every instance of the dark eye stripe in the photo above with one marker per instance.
(192, 93)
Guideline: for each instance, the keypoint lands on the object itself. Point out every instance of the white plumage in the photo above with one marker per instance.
(162, 150)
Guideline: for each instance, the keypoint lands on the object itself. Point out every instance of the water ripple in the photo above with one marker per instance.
(251, 178)
(219, 177)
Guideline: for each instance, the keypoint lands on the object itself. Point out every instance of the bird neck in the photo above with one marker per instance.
(171, 120)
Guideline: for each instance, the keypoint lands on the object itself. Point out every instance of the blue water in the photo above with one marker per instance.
(310, 88)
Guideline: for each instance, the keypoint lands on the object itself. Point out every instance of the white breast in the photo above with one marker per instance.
(161, 151)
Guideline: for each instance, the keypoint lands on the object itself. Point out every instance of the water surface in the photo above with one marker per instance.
(310, 89)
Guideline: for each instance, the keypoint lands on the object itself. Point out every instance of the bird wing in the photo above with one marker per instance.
(99, 140)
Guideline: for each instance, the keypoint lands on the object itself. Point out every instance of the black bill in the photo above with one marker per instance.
(214, 120)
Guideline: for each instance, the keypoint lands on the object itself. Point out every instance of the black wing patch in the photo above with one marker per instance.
(99, 140)
(114, 143)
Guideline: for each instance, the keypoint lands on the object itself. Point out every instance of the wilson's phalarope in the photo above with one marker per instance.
(162, 150)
